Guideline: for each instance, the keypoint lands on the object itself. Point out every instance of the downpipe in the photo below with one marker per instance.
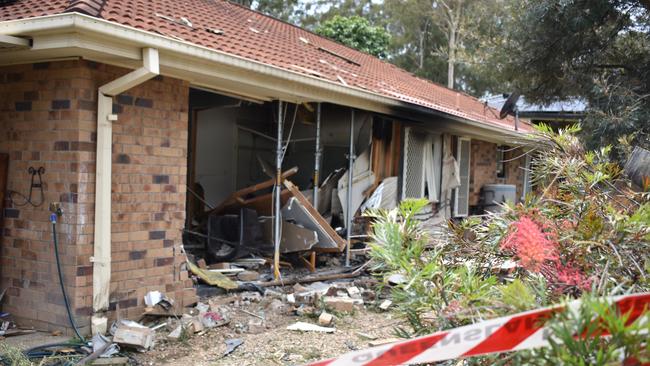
(102, 234)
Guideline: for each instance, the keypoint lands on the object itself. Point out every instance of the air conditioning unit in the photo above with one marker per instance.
(494, 194)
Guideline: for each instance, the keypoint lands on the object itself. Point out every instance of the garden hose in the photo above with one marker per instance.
(53, 217)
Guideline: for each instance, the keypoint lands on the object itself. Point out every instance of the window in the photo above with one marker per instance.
(501, 164)
(461, 194)
(422, 165)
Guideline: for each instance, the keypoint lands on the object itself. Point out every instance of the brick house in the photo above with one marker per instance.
(125, 103)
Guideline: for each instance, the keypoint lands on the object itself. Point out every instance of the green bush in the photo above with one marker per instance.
(584, 232)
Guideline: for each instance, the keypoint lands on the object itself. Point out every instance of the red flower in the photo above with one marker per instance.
(535, 248)
(569, 276)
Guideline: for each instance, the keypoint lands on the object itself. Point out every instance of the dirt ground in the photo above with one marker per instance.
(273, 344)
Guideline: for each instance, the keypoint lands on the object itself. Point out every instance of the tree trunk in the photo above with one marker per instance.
(451, 62)
(423, 36)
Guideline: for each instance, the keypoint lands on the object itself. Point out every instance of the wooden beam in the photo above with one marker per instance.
(237, 197)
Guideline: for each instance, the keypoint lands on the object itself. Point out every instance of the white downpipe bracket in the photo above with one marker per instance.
(102, 240)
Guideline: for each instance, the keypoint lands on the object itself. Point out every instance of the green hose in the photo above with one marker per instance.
(58, 266)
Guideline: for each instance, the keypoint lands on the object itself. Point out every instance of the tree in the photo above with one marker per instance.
(452, 17)
(356, 32)
(414, 38)
(287, 10)
(598, 50)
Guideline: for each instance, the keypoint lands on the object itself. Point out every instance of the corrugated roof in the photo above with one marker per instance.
(237, 30)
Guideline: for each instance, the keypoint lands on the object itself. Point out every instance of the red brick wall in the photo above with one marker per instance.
(48, 118)
(483, 169)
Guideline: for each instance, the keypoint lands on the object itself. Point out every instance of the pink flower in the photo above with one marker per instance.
(534, 248)
(569, 276)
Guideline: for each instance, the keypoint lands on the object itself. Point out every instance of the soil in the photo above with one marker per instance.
(272, 343)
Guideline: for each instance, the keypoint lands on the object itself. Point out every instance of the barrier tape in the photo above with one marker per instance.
(509, 333)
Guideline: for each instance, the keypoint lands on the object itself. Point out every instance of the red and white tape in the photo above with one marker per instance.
(510, 333)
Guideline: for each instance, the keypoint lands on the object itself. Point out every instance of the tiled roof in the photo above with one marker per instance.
(233, 29)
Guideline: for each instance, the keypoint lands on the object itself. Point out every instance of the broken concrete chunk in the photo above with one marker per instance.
(248, 276)
(308, 327)
(176, 333)
(354, 292)
(277, 306)
(385, 305)
(340, 304)
(325, 319)
(308, 297)
(141, 337)
(256, 326)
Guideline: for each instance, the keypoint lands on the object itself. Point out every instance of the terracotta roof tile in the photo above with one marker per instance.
(237, 30)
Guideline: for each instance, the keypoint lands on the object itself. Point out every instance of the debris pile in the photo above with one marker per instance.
(317, 307)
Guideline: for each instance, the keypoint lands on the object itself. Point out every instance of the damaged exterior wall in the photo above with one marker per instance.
(48, 118)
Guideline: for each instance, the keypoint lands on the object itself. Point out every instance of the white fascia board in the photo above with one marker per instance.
(286, 83)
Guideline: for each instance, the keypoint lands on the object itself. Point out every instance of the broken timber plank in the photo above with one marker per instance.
(237, 197)
(324, 227)
(333, 275)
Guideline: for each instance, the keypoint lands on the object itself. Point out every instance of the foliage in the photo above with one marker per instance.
(584, 233)
(356, 32)
(11, 356)
(606, 61)
(627, 338)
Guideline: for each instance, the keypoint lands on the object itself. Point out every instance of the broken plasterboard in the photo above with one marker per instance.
(384, 197)
(360, 184)
(299, 209)
(294, 238)
(362, 179)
